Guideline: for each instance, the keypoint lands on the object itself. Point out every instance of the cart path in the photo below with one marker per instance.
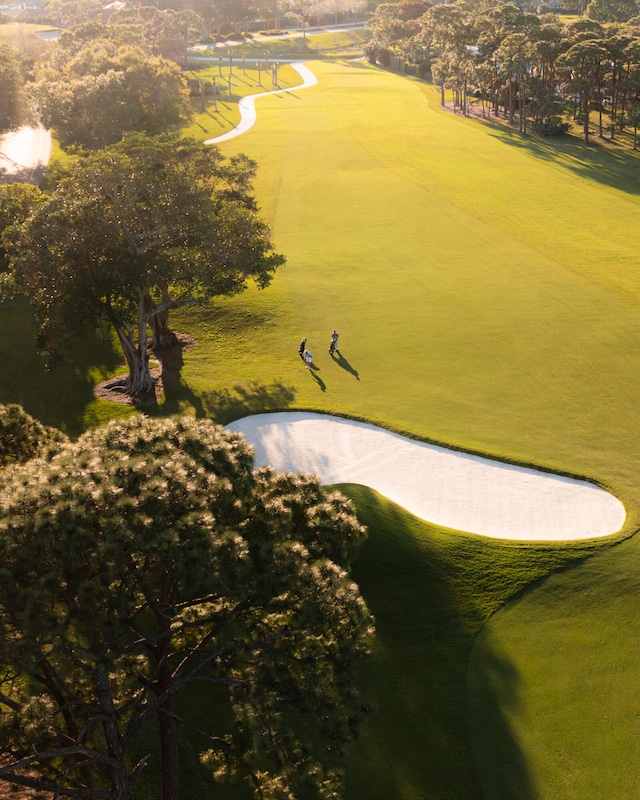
(445, 487)
(247, 105)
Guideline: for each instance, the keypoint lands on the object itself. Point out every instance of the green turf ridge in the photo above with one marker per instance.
(553, 687)
(431, 590)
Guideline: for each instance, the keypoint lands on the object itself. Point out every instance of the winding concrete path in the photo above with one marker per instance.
(445, 487)
(247, 105)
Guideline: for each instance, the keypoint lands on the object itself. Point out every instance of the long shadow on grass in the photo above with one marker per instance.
(618, 169)
(341, 361)
(227, 405)
(493, 688)
(63, 396)
(430, 591)
(314, 374)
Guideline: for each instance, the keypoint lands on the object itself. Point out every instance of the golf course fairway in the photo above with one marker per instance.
(487, 295)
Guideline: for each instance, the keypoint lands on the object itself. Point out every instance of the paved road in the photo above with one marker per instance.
(24, 154)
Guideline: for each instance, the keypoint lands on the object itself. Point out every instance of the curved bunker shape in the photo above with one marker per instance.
(445, 487)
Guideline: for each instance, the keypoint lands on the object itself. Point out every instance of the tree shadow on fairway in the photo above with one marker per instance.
(62, 396)
(619, 169)
(493, 696)
(424, 587)
(341, 361)
(227, 405)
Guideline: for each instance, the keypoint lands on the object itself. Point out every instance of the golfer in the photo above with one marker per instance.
(308, 358)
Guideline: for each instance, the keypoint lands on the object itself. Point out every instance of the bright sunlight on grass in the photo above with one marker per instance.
(486, 293)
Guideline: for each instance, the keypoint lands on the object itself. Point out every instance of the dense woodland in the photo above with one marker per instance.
(536, 68)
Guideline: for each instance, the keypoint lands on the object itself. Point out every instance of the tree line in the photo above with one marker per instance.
(535, 68)
(221, 17)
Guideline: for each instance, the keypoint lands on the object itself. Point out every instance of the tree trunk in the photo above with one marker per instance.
(166, 721)
(600, 130)
(169, 751)
(587, 106)
(614, 104)
(511, 102)
(120, 782)
(162, 337)
(139, 381)
(623, 105)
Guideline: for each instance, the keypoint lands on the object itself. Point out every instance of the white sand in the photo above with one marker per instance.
(445, 487)
(247, 105)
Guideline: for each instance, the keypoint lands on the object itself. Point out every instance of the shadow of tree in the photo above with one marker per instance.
(226, 405)
(428, 614)
(619, 169)
(493, 695)
(62, 397)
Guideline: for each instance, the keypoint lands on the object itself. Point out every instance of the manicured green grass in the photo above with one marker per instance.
(554, 694)
(486, 293)
(417, 235)
(233, 81)
(430, 590)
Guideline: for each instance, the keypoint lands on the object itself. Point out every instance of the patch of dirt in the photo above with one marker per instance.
(166, 375)
(11, 791)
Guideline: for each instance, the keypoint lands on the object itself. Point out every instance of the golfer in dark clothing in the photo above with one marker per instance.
(303, 347)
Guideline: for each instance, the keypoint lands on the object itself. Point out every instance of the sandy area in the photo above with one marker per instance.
(445, 487)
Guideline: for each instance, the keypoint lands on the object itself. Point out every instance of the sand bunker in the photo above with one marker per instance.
(442, 486)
